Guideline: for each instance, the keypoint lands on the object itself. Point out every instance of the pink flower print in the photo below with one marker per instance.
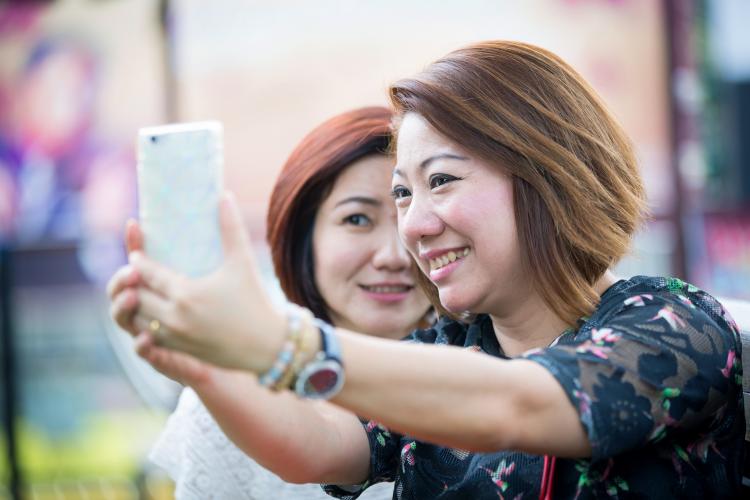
(730, 363)
(667, 314)
(597, 350)
(597, 346)
(584, 404)
(407, 455)
(382, 432)
(500, 474)
(373, 424)
(637, 300)
(602, 335)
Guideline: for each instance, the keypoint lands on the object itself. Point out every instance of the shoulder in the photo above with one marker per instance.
(665, 311)
(671, 300)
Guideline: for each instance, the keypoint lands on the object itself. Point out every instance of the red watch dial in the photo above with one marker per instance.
(322, 381)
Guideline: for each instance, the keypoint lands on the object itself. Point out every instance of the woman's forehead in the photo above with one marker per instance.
(419, 143)
(371, 174)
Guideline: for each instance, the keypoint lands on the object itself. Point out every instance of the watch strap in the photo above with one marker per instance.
(326, 361)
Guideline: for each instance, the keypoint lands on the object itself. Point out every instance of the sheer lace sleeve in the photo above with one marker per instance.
(204, 463)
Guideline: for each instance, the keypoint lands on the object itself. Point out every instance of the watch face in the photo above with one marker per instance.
(323, 381)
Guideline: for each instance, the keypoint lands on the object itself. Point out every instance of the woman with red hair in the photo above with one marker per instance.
(332, 231)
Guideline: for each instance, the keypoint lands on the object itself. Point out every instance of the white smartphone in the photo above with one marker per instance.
(180, 182)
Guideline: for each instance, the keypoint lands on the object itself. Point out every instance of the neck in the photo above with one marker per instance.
(529, 323)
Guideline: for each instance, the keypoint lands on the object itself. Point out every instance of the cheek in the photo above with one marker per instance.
(324, 258)
(476, 216)
(338, 258)
(488, 220)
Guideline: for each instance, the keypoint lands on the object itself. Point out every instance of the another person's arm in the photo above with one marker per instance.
(301, 441)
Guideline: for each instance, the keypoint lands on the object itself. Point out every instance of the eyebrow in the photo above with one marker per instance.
(359, 199)
(426, 163)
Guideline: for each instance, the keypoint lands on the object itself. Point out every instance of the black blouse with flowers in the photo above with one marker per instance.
(656, 376)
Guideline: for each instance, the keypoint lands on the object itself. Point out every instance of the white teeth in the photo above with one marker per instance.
(387, 289)
(447, 258)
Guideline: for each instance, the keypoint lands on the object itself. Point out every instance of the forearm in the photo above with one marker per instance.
(301, 441)
(459, 398)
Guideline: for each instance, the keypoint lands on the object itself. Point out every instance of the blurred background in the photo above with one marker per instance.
(79, 77)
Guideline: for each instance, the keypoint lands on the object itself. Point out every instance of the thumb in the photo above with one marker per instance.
(234, 237)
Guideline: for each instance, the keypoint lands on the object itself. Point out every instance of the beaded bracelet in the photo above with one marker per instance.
(286, 355)
(309, 342)
(301, 351)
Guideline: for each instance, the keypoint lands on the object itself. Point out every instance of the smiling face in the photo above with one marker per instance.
(456, 217)
(362, 271)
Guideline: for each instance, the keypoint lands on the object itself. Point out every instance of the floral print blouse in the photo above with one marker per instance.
(656, 376)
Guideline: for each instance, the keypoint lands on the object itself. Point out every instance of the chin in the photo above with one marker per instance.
(463, 297)
(456, 303)
(397, 328)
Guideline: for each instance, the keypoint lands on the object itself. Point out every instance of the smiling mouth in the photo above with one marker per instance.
(447, 258)
(387, 288)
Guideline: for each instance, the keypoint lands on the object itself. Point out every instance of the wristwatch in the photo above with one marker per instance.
(323, 376)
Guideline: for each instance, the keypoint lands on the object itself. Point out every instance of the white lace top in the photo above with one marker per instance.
(205, 464)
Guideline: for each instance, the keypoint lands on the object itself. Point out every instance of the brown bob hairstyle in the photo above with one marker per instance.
(305, 182)
(577, 191)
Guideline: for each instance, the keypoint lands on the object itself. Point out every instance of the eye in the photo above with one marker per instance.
(399, 192)
(437, 180)
(357, 220)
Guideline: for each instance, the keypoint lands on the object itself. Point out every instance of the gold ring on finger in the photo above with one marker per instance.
(156, 328)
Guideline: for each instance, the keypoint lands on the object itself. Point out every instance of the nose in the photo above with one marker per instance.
(417, 223)
(392, 254)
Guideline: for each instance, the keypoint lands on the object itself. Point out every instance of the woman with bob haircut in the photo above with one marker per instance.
(546, 375)
(331, 229)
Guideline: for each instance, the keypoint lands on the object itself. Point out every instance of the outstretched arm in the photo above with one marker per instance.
(436, 393)
(460, 398)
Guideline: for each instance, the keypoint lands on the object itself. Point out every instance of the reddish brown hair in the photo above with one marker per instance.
(577, 191)
(304, 183)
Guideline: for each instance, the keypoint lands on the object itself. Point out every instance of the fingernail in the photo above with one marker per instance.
(135, 256)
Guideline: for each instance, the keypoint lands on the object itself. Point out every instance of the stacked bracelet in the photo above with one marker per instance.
(310, 359)
(301, 350)
(283, 361)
